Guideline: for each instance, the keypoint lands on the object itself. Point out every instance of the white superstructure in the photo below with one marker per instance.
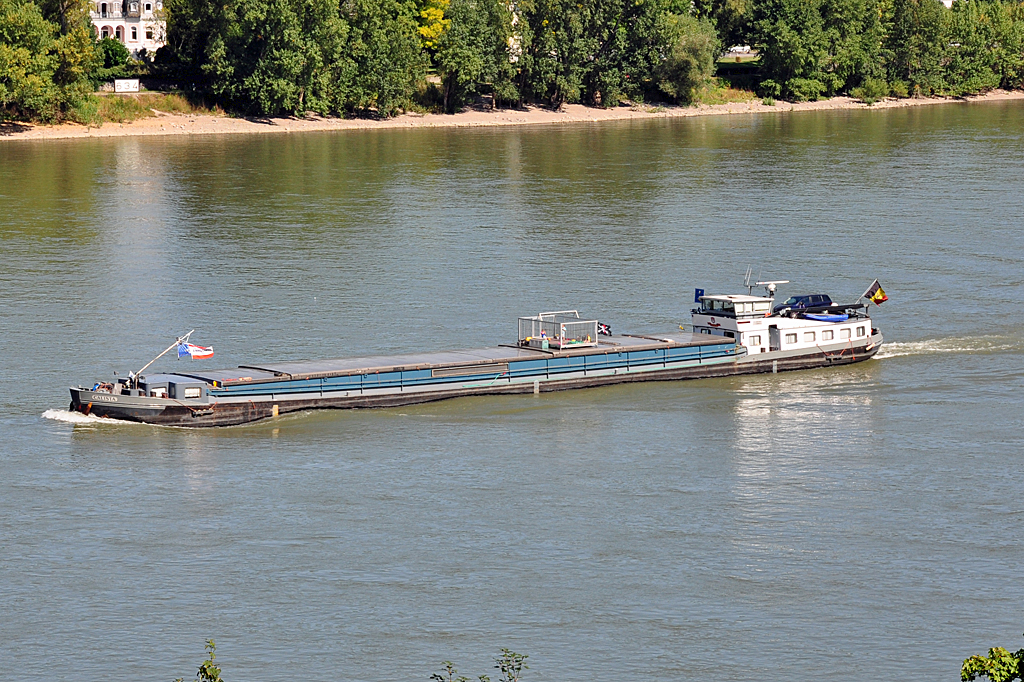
(751, 321)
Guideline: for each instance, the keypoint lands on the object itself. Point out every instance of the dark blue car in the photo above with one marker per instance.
(804, 302)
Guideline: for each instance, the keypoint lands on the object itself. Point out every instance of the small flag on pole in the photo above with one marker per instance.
(875, 294)
(604, 329)
(697, 293)
(193, 351)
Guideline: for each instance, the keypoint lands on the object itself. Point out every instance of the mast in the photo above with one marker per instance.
(180, 340)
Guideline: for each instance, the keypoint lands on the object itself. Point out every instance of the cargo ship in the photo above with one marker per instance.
(730, 334)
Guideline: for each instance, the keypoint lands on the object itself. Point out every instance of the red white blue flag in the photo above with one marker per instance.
(193, 351)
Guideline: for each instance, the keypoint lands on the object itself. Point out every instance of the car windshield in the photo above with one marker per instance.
(791, 300)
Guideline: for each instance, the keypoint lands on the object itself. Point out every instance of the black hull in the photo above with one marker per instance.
(235, 413)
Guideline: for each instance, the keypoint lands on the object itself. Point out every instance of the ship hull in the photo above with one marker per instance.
(229, 410)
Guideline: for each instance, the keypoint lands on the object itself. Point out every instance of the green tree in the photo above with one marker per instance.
(1009, 29)
(43, 71)
(473, 49)
(264, 56)
(811, 48)
(913, 44)
(385, 47)
(693, 47)
(597, 51)
(971, 58)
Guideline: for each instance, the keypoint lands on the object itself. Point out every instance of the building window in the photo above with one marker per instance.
(755, 340)
(119, 33)
(103, 12)
(135, 33)
(844, 333)
(149, 33)
(860, 331)
(149, 7)
(808, 336)
(827, 335)
(105, 33)
(790, 338)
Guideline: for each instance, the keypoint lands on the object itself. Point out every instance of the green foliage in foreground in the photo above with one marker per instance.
(510, 667)
(999, 666)
(208, 670)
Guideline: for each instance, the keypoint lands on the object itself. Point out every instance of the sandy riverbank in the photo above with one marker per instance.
(168, 124)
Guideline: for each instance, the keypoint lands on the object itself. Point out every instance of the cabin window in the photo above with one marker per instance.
(705, 331)
(729, 334)
(193, 392)
(827, 335)
(790, 338)
(760, 307)
(844, 333)
(755, 340)
(860, 331)
(808, 336)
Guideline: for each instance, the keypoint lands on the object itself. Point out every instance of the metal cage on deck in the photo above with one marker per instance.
(559, 329)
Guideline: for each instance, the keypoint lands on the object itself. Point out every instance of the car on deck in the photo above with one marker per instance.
(804, 302)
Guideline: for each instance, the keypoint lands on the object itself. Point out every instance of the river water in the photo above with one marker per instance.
(851, 523)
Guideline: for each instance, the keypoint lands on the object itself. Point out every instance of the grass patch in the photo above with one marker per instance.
(717, 92)
(122, 108)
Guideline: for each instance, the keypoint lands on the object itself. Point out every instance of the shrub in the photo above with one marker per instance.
(899, 89)
(871, 90)
(113, 53)
(804, 89)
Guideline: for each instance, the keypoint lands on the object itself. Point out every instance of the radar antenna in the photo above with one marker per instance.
(769, 286)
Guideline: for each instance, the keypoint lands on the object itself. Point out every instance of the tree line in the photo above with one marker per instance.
(351, 57)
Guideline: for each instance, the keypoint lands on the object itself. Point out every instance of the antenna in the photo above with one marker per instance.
(770, 286)
(746, 281)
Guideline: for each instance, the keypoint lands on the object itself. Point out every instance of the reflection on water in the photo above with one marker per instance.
(628, 531)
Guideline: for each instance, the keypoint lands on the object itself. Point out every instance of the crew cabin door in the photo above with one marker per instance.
(774, 340)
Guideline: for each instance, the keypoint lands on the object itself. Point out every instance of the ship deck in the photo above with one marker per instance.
(321, 369)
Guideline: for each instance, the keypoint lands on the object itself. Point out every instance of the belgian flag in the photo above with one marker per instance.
(875, 294)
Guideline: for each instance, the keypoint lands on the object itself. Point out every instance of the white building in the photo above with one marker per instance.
(136, 23)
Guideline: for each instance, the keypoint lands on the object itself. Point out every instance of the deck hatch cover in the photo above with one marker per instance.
(470, 370)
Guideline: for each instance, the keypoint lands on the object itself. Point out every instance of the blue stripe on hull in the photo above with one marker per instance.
(543, 370)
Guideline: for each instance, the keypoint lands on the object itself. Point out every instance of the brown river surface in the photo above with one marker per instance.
(853, 523)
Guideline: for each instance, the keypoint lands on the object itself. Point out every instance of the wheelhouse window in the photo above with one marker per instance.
(713, 305)
(790, 338)
(762, 306)
(827, 335)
